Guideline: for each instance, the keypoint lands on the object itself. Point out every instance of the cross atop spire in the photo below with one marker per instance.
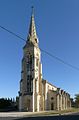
(32, 36)
(32, 10)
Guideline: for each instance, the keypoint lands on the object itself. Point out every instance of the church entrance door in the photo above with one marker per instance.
(52, 106)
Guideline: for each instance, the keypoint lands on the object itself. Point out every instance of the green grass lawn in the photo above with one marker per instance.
(72, 110)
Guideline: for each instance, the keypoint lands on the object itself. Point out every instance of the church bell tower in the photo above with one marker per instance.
(30, 94)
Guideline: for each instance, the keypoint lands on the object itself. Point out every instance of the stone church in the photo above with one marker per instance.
(37, 94)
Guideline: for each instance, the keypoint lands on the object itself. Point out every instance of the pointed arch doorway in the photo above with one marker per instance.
(52, 106)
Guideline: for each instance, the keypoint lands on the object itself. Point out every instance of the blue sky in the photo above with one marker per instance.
(57, 24)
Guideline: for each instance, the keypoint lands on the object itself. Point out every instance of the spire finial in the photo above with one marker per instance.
(32, 10)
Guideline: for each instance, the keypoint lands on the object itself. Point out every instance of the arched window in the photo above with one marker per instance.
(35, 40)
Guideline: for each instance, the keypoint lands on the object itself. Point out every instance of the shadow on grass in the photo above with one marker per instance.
(64, 117)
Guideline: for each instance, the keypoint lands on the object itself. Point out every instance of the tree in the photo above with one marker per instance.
(4, 103)
(7, 104)
(72, 102)
(77, 100)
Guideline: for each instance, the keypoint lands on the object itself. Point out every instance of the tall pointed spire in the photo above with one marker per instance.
(32, 29)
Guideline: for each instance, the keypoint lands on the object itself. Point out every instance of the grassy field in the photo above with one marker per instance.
(37, 114)
(61, 112)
